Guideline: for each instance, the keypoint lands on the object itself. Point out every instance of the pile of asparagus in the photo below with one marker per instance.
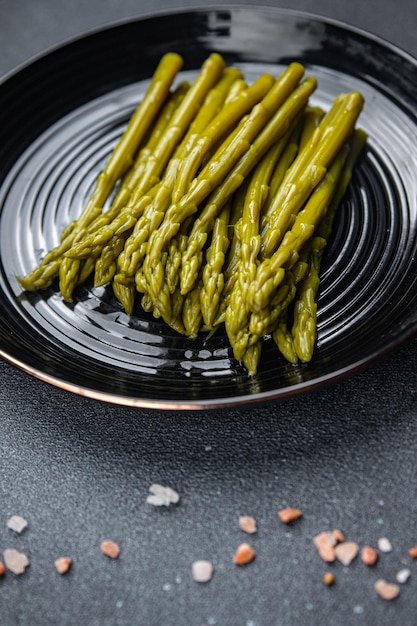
(215, 206)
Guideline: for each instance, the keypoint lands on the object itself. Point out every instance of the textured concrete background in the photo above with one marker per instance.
(79, 470)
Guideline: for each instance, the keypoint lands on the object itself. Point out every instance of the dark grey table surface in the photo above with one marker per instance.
(79, 470)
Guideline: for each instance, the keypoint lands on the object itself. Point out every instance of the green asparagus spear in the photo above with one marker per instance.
(178, 126)
(86, 269)
(120, 160)
(310, 167)
(217, 169)
(247, 228)
(281, 279)
(264, 321)
(311, 120)
(105, 266)
(265, 138)
(296, 192)
(175, 252)
(111, 260)
(283, 339)
(231, 267)
(137, 244)
(252, 357)
(134, 174)
(191, 312)
(236, 89)
(214, 173)
(300, 136)
(126, 296)
(212, 281)
(304, 330)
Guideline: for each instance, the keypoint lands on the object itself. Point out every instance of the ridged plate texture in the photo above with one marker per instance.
(62, 114)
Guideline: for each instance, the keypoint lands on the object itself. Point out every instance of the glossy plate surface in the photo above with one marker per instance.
(63, 113)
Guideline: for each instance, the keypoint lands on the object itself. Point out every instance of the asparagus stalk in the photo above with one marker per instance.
(300, 136)
(310, 167)
(191, 312)
(277, 126)
(133, 175)
(212, 281)
(283, 339)
(304, 329)
(76, 273)
(281, 281)
(219, 127)
(120, 160)
(304, 176)
(215, 172)
(238, 312)
(178, 126)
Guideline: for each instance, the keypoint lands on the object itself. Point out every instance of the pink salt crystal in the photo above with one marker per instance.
(346, 551)
(15, 561)
(63, 564)
(110, 548)
(247, 524)
(325, 543)
(386, 590)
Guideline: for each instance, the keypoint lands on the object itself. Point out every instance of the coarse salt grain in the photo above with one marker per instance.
(289, 514)
(384, 544)
(403, 575)
(386, 590)
(413, 552)
(346, 551)
(110, 548)
(369, 555)
(15, 561)
(244, 554)
(63, 564)
(162, 496)
(247, 523)
(202, 571)
(17, 523)
(325, 543)
(338, 535)
(328, 579)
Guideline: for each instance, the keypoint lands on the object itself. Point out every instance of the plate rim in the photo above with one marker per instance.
(109, 25)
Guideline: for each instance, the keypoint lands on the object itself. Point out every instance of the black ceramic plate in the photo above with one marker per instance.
(61, 115)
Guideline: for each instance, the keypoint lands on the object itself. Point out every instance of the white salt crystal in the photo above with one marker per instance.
(162, 496)
(202, 571)
(384, 545)
(403, 575)
(17, 523)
